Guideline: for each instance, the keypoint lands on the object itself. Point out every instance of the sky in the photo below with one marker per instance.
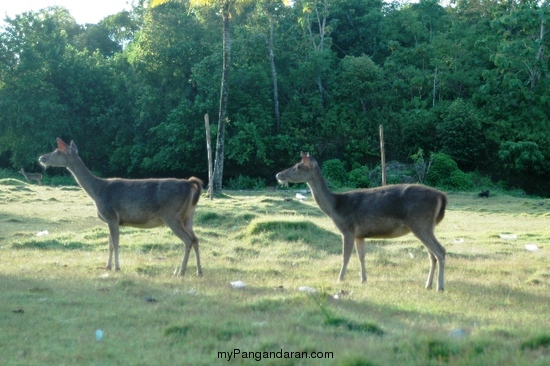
(84, 11)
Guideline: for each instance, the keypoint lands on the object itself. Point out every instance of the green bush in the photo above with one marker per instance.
(359, 178)
(443, 166)
(244, 182)
(445, 172)
(335, 172)
(60, 180)
(460, 181)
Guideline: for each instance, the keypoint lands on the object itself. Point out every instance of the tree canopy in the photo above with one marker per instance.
(468, 79)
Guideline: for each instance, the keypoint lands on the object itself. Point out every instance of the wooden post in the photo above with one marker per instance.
(209, 148)
(382, 155)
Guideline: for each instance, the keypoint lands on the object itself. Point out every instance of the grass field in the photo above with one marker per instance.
(59, 306)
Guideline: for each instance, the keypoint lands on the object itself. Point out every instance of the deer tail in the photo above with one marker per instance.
(197, 185)
(442, 205)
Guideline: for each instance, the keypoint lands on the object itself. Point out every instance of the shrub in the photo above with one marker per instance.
(244, 182)
(359, 177)
(442, 168)
(335, 171)
(445, 172)
(460, 181)
(60, 180)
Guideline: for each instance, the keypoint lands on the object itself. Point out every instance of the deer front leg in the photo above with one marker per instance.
(360, 248)
(114, 235)
(347, 247)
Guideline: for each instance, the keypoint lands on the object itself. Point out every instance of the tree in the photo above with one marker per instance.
(460, 134)
(49, 88)
(226, 7)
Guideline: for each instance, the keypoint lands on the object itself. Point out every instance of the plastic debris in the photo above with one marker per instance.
(238, 284)
(42, 233)
(99, 334)
(300, 197)
(307, 289)
(458, 333)
(458, 240)
(508, 236)
(531, 247)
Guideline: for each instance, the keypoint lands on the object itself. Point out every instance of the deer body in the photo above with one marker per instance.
(32, 176)
(141, 203)
(384, 212)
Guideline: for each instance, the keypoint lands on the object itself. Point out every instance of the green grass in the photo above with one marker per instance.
(55, 292)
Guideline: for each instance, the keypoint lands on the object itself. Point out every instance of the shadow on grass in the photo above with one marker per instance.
(52, 244)
(19, 219)
(293, 231)
(210, 218)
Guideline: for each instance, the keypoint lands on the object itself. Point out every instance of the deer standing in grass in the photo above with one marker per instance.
(32, 176)
(142, 203)
(383, 212)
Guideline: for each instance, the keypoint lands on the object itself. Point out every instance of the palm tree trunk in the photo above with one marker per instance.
(224, 94)
(274, 76)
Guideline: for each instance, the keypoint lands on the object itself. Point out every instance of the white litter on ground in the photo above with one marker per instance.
(307, 289)
(238, 284)
(42, 233)
(531, 247)
(300, 197)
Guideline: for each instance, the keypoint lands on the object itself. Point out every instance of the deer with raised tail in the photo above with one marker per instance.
(142, 203)
(32, 176)
(384, 212)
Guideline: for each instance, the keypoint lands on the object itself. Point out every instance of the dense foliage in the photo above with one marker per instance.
(468, 80)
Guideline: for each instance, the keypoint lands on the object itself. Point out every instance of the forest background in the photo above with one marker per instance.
(465, 84)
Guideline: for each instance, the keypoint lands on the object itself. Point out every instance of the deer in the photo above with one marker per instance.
(383, 212)
(32, 176)
(141, 203)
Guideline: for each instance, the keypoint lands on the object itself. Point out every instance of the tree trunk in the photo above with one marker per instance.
(274, 76)
(224, 93)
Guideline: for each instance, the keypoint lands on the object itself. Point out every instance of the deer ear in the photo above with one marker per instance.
(73, 146)
(61, 145)
(306, 159)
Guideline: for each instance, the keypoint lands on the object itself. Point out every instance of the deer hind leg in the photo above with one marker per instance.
(347, 248)
(114, 235)
(360, 248)
(186, 234)
(188, 224)
(433, 263)
(436, 253)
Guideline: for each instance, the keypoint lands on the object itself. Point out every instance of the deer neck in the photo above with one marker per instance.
(322, 195)
(89, 182)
